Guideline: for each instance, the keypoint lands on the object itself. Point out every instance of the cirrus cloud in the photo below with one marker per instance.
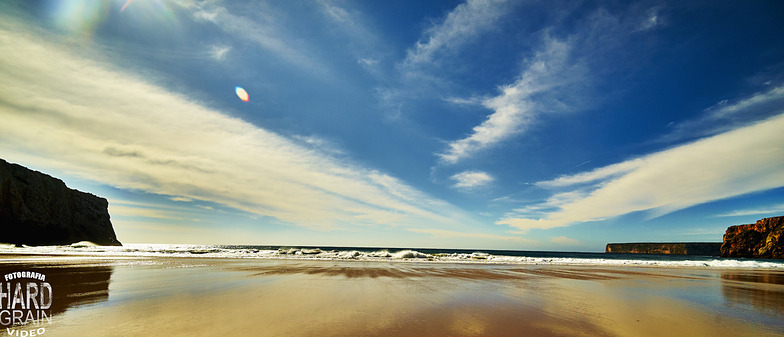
(463, 24)
(442, 233)
(472, 179)
(734, 163)
(517, 105)
(90, 120)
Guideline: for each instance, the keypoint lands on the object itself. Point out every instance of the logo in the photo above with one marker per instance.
(25, 298)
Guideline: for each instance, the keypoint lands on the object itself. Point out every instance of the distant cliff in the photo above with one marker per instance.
(763, 240)
(37, 209)
(676, 248)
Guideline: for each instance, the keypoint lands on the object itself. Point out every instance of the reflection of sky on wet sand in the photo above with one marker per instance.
(763, 291)
(150, 281)
(200, 297)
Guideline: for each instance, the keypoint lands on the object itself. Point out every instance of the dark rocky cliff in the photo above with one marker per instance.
(37, 209)
(677, 248)
(763, 240)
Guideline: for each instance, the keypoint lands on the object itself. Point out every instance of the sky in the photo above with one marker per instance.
(512, 125)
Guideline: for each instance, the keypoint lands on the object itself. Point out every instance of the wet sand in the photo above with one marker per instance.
(222, 297)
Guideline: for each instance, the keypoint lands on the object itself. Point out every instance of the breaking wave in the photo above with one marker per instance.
(410, 255)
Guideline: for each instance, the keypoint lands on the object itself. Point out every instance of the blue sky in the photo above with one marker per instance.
(557, 125)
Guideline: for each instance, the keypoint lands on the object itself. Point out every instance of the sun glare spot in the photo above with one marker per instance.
(242, 94)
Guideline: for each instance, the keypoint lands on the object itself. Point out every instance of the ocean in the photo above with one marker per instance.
(421, 255)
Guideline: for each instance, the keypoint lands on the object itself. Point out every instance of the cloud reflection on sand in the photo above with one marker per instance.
(156, 296)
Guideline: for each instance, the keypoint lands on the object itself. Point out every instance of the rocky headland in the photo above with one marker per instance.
(37, 209)
(761, 240)
(677, 248)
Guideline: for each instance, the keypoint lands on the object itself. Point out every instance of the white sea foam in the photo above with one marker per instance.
(208, 251)
(83, 244)
(410, 254)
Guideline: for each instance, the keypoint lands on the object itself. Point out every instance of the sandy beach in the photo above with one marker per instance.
(232, 297)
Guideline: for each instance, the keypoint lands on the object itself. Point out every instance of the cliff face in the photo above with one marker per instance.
(677, 248)
(37, 209)
(763, 240)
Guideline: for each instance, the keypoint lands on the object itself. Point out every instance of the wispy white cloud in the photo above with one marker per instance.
(651, 20)
(320, 144)
(562, 240)
(557, 78)
(420, 72)
(218, 52)
(184, 208)
(517, 105)
(471, 179)
(84, 117)
(135, 211)
(769, 210)
(366, 62)
(464, 101)
(442, 233)
(774, 96)
(163, 231)
(362, 41)
(337, 13)
(463, 24)
(598, 174)
(264, 30)
(730, 164)
(726, 115)
(716, 232)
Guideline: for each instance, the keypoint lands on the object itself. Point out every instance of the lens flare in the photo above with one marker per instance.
(125, 5)
(242, 94)
(83, 18)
